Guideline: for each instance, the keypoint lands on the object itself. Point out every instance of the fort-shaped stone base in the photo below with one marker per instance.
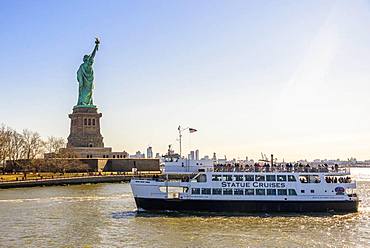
(85, 128)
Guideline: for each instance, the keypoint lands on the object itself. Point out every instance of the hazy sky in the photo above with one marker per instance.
(285, 77)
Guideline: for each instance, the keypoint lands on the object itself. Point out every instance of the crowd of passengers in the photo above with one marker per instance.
(266, 167)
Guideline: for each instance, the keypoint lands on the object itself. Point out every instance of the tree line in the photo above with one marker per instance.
(24, 151)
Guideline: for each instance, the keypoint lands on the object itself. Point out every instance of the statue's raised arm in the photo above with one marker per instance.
(97, 42)
(85, 78)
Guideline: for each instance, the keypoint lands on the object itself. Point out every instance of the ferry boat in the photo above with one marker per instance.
(271, 187)
(311, 190)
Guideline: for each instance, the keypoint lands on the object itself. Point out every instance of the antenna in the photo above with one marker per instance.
(191, 130)
(180, 135)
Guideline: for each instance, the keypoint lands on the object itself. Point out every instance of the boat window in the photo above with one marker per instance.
(172, 189)
(206, 191)
(249, 191)
(202, 178)
(281, 178)
(216, 191)
(270, 178)
(260, 192)
(329, 179)
(227, 177)
(249, 177)
(303, 179)
(291, 178)
(309, 178)
(312, 191)
(238, 192)
(227, 191)
(292, 192)
(302, 190)
(260, 178)
(315, 179)
(239, 178)
(282, 192)
(271, 191)
(216, 178)
(195, 191)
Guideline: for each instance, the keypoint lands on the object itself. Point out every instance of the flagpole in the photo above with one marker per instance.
(180, 135)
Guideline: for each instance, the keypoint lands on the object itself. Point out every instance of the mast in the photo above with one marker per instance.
(180, 135)
(191, 130)
(272, 160)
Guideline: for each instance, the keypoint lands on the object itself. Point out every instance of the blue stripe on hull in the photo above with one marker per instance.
(245, 206)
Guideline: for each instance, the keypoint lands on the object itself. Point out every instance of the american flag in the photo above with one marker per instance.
(192, 130)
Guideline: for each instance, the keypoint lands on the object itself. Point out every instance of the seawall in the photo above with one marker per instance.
(71, 181)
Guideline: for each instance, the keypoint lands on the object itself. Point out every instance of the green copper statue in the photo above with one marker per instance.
(85, 78)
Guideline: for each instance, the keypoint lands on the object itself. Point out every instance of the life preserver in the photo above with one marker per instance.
(339, 190)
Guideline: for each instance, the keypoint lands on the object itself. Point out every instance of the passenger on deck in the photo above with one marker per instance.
(267, 167)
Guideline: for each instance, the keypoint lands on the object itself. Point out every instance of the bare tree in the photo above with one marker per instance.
(15, 146)
(33, 145)
(22, 150)
(5, 133)
(52, 160)
(53, 144)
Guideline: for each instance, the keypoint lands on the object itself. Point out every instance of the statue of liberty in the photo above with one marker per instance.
(85, 78)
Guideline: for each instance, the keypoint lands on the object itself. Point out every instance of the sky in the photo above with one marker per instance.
(290, 78)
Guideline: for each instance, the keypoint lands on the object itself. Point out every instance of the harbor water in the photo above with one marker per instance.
(104, 215)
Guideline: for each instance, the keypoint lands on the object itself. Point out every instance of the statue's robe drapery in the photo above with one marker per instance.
(85, 78)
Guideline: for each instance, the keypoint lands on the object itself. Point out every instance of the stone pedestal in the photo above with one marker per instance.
(85, 128)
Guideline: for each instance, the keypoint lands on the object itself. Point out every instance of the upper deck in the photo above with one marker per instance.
(283, 168)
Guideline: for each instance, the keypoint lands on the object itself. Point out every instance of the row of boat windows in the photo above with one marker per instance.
(309, 178)
(270, 178)
(219, 191)
(334, 179)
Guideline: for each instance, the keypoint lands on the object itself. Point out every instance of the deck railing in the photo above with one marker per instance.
(280, 168)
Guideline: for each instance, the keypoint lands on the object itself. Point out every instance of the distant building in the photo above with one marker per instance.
(196, 154)
(192, 155)
(214, 158)
(123, 154)
(157, 155)
(90, 152)
(149, 152)
(138, 154)
(222, 161)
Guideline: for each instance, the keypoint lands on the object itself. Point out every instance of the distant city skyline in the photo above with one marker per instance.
(284, 77)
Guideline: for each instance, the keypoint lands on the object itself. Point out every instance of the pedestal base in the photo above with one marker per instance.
(85, 127)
